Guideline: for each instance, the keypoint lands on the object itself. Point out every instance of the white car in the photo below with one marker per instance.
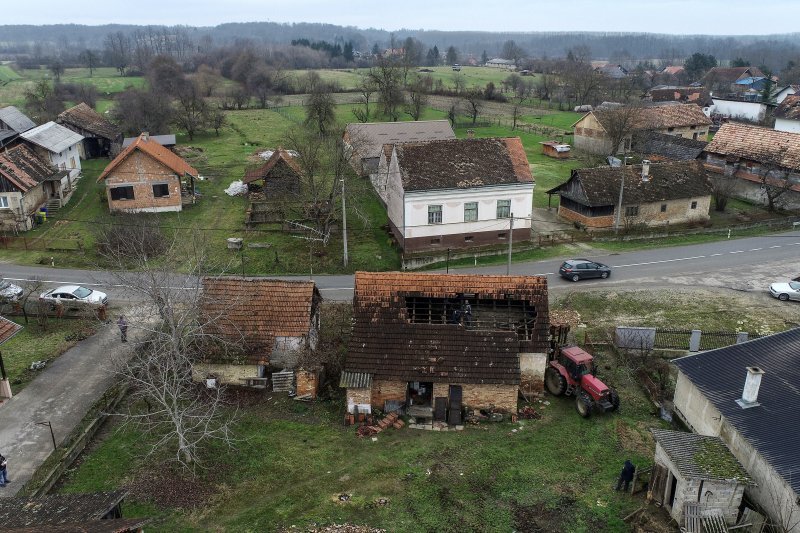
(786, 291)
(9, 292)
(75, 293)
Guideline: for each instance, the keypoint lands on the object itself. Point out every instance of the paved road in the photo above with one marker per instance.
(629, 268)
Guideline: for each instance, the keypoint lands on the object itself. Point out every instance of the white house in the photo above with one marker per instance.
(739, 109)
(787, 114)
(61, 146)
(498, 62)
(789, 90)
(456, 193)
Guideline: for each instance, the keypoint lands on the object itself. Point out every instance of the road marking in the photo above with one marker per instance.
(754, 249)
(714, 255)
(776, 246)
(662, 261)
(737, 252)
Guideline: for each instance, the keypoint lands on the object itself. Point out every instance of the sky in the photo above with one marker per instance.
(716, 17)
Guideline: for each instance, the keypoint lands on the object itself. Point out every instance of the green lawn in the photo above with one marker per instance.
(7, 74)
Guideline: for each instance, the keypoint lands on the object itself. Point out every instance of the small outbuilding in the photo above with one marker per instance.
(696, 477)
(278, 176)
(555, 149)
(101, 138)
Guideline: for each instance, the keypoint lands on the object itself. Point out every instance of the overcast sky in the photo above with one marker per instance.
(656, 16)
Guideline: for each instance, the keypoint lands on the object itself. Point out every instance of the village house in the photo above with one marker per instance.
(653, 195)
(736, 108)
(723, 79)
(146, 177)
(787, 114)
(746, 395)
(658, 147)
(783, 92)
(499, 62)
(685, 120)
(435, 344)
(101, 138)
(167, 140)
(59, 145)
(12, 123)
(365, 140)
(279, 176)
(698, 96)
(457, 193)
(267, 323)
(697, 478)
(757, 157)
(615, 72)
(27, 182)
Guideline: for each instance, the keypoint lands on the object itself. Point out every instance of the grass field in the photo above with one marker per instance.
(106, 80)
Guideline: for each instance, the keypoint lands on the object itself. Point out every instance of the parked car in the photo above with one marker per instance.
(578, 269)
(9, 292)
(786, 291)
(74, 293)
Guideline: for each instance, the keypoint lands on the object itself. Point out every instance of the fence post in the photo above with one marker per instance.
(25, 242)
(694, 340)
(741, 337)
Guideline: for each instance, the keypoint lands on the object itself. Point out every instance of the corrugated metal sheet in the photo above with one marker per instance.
(53, 137)
(772, 427)
(283, 381)
(355, 380)
(16, 119)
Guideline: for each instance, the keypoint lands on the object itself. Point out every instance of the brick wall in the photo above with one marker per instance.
(483, 396)
(590, 222)
(308, 382)
(456, 241)
(358, 397)
(226, 374)
(142, 171)
(388, 390)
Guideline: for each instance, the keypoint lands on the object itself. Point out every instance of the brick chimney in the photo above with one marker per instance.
(751, 385)
(645, 170)
(145, 136)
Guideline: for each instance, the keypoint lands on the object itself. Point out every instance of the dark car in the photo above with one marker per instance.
(578, 269)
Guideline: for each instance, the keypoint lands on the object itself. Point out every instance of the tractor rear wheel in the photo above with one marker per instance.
(614, 398)
(554, 381)
(583, 404)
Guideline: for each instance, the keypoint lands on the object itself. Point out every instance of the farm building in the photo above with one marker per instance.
(456, 193)
(59, 145)
(758, 157)
(167, 141)
(555, 149)
(12, 123)
(278, 176)
(27, 182)
(267, 323)
(445, 342)
(366, 140)
(663, 147)
(723, 79)
(498, 62)
(101, 138)
(146, 177)
(653, 195)
(685, 95)
(745, 394)
(783, 92)
(787, 114)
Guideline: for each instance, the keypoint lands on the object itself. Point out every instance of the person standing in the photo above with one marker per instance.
(3, 471)
(122, 324)
(626, 476)
(467, 314)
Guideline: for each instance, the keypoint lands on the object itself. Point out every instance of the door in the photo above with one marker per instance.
(454, 413)
(673, 484)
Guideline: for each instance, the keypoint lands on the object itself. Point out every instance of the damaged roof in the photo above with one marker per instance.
(600, 186)
(279, 157)
(53, 137)
(762, 145)
(789, 109)
(16, 119)
(368, 138)
(58, 509)
(659, 117)
(254, 311)
(8, 329)
(658, 145)
(385, 344)
(700, 456)
(771, 427)
(24, 169)
(85, 118)
(462, 163)
(148, 146)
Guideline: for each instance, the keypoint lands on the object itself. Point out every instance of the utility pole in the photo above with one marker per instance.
(344, 223)
(621, 189)
(510, 243)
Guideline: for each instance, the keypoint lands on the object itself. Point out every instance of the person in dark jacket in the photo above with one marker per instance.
(626, 476)
(3, 471)
(122, 324)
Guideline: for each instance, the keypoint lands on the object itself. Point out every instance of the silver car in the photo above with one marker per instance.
(74, 293)
(9, 292)
(786, 291)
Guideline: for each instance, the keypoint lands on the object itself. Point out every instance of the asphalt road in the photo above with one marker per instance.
(630, 269)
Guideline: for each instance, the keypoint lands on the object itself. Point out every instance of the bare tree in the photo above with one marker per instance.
(459, 82)
(57, 68)
(417, 100)
(366, 88)
(774, 184)
(785, 508)
(619, 124)
(218, 120)
(91, 60)
(474, 101)
(722, 188)
(42, 102)
(191, 110)
(387, 77)
(118, 51)
(320, 110)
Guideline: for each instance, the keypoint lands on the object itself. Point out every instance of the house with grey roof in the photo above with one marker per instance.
(61, 147)
(748, 396)
(787, 114)
(12, 123)
(365, 140)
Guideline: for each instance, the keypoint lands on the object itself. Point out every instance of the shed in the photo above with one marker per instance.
(698, 473)
(555, 149)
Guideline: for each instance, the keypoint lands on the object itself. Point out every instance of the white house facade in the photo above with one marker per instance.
(739, 109)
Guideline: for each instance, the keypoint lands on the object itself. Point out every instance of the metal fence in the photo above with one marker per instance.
(677, 339)
(672, 339)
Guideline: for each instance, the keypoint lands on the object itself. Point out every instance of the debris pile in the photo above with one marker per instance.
(237, 188)
(529, 413)
(390, 420)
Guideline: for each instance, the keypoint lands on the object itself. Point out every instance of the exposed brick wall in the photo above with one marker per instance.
(308, 382)
(589, 222)
(142, 171)
(358, 397)
(226, 374)
(457, 242)
(483, 396)
(388, 390)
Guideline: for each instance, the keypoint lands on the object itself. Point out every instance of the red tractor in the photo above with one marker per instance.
(572, 371)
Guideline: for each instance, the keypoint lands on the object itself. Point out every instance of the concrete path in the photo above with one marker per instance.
(62, 394)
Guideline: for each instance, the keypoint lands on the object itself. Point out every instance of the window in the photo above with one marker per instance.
(663, 208)
(434, 214)
(502, 235)
(670, 129)
(122, 193)
(160, 190)
(694, 205)
(503, 208)
(71, 162)
(694, 136)
(436, 241)
(469, 238)
(3, 202)
(470, 211)
(631, 210)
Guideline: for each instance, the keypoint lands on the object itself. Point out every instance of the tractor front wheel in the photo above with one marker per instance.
(583, 404)
(554, 381)
(614, 398)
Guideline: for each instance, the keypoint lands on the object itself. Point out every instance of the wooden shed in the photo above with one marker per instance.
(555, 149)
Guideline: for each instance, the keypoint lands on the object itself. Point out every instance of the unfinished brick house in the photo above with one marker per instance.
(757, 157)
(685, 120)
(147, 177)
(101, 138)
(653, 194)
(266, 324)
(436, 343)
(279, 176)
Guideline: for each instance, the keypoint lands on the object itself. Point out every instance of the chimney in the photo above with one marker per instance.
(145, 135)
(751, 385)
(645, 170)
(470, 134)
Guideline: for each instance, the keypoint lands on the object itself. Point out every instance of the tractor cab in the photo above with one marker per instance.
(572, 373)
(577, 362)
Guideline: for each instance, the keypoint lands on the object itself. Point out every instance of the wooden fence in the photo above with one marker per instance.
(39, 243)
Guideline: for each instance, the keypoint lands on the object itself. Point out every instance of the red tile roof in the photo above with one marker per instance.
(24, 169)
(257, 310)
(263, 172)
(84, 117)
(8, 329)
(789, 109)
(762, 145)
(153, 149)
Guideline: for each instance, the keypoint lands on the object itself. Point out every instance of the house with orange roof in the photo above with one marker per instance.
(148, 177)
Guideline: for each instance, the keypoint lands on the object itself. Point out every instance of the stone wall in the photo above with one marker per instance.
(141, 172)
(226, 374)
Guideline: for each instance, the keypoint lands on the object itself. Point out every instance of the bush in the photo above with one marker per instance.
(130, 236)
